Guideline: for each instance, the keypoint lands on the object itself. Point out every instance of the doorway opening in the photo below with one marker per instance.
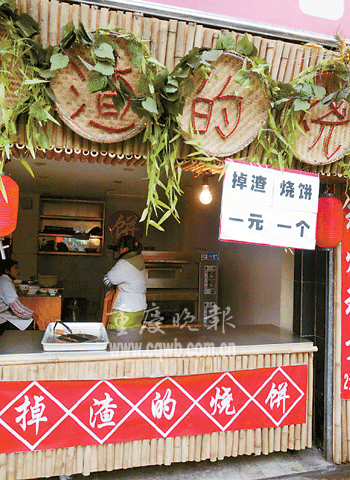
(311, 307)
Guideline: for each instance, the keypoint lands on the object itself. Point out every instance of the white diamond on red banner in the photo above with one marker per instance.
(102, 410)
(33, 415)
(165, 405)
(278, 396)
(224, 400)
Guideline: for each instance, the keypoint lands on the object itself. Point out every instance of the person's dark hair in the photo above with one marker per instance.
(131, 243)
(7, 264)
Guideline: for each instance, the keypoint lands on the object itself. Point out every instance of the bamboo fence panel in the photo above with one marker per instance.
(214, 446)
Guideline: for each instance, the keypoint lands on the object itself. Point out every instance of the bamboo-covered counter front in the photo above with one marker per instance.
(169, 358)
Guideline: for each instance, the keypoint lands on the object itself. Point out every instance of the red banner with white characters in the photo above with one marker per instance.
(345, 307)
(41, 415)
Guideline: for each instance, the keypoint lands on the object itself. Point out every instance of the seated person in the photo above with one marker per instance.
(13, 314)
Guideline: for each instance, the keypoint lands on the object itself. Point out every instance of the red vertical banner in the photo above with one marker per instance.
(345, 307)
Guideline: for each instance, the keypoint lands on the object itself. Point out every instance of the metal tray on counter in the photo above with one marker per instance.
(93, 337)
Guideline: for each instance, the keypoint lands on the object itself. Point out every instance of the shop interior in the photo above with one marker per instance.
(255, 282)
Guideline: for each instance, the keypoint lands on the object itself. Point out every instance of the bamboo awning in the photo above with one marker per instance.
(168, 41)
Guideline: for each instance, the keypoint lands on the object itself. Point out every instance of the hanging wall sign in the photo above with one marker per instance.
(125, 222)
(60, 414)
(227, 116)
(93, 115)
(325, 135)
(345, 307)
(267, 206)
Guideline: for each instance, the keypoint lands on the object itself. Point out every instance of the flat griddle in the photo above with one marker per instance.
(77, 338)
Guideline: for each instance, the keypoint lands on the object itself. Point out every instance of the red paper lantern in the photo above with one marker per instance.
(9, 208)
(330, 218)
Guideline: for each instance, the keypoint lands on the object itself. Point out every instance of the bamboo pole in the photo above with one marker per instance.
(169, 451)
(283, 61)
(145, 452)
(118, 456)
(191, 448)
(136, 453)
(191, 30)
(184, 449)
(54, 27)
(214, 446)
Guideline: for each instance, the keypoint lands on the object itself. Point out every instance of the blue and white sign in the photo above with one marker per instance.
(266, 206)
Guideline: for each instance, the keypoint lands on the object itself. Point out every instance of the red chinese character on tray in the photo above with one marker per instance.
(230, 119)
(334, 117)
(104, 101)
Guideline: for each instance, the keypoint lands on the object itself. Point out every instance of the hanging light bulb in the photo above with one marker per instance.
(205, 196)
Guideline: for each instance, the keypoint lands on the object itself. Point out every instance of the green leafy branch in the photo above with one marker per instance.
(21, 59)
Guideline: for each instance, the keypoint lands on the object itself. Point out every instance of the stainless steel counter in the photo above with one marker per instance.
(262, 337)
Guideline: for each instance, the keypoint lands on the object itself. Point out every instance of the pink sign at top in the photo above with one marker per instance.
(316, 18)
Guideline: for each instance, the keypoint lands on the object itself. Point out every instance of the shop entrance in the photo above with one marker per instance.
(313, 273)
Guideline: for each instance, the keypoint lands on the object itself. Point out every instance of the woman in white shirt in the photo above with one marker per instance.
(13, 314)
(128, 275)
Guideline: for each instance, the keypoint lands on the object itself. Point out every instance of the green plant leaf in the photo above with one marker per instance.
(245, 46)
(243, 78)
(27, 25)
(83, 36)
(97, 82)
(33, 81)
(68, 32)
(68, 29)
(104, 68)
(301, 104)
(59, 60)
(48, 74)
(156, 225)
(150, 105)
(118, 102)
(329, 98)
(211, 55)
(37, 111)
(137, 51)
(27, 166)
(104, 51)
(225, 42)
(320, 92)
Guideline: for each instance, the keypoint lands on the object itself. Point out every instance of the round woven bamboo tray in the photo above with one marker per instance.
(227, 116)
(326, 129)
(93, 115)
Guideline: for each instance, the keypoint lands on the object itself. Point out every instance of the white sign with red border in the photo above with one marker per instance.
(267, 206)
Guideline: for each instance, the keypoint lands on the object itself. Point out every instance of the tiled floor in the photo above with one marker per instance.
(304, 464)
